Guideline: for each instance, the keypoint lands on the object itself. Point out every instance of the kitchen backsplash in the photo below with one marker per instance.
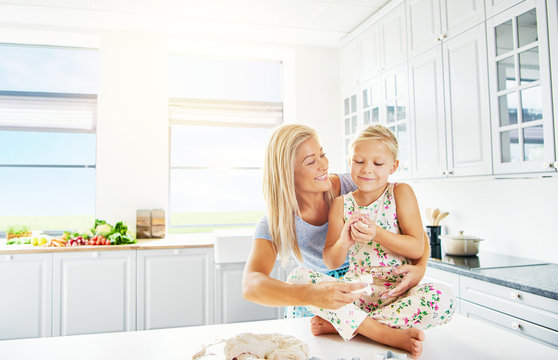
(515, 216)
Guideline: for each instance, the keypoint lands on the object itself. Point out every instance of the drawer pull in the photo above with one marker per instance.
(176, 252)
(515, 295)
(9, 257)
(95, 255)
(516, 326)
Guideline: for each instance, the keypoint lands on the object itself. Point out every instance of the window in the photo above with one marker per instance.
(48, 107)
(221, 113)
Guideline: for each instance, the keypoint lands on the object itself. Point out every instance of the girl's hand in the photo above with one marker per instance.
(333, 295)
(346, 237)
(412, 275)
(364, 230)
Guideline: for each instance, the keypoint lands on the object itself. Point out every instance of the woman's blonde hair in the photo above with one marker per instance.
(376, 132)
(279, 187)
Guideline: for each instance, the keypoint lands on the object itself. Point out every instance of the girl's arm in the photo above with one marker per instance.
(338, 239)
(410, 243)
(259, 287)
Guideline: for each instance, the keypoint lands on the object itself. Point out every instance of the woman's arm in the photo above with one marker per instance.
(410, 242)
(259, 287)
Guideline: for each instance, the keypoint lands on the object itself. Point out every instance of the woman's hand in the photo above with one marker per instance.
(363, 231)
(412, 275)
(333, 295)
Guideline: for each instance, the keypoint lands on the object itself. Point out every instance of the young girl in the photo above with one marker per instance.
(379, 227)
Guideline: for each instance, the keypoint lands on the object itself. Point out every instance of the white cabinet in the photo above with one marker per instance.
(174, 288)
(467, 109)
(522, 119)
(25, 295)
(383, 45)
(530, 315)
(431, 21)
(427, 113)
(552, 15)
(494, 7)
(94, 292)
(349, 60)
(230, 306)
(450, 108)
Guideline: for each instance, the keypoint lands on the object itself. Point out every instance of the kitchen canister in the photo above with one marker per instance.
(433, 233)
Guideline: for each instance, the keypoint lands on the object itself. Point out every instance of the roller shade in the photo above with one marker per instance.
(58, 112)
(225, 112)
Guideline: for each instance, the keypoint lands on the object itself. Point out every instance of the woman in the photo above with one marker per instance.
(298, 192)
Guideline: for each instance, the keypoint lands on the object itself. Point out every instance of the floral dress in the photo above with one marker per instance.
(424, 306)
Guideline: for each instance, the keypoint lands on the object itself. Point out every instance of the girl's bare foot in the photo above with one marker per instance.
(406, 339)
(319, 326)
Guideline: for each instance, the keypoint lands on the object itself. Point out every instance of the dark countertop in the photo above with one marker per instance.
(540, 279)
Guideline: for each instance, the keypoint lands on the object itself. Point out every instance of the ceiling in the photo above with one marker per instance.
(310, 22)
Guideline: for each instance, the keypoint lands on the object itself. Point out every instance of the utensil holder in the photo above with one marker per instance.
(433, 233)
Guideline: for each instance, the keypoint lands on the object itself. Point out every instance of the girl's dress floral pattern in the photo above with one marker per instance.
(424, 306)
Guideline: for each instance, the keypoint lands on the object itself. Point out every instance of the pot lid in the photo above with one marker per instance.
(460, 236)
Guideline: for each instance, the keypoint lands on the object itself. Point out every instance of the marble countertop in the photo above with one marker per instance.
(170, 241)
(540, 279)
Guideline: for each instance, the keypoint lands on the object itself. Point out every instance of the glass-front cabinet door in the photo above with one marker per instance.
(522, 125)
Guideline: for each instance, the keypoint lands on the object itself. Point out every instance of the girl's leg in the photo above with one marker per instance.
(344, 320)
(424, 306)
(406, 339)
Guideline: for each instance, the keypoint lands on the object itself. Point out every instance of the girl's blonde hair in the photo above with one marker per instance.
(376, 132)
(279, 187)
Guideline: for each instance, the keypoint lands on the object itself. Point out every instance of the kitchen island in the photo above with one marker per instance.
(462, 338)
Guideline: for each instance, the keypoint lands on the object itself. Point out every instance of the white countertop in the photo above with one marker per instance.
(462, 339)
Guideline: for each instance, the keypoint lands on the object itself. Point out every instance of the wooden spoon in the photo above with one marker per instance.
(440, 217)
(428, 212)
(435, 214)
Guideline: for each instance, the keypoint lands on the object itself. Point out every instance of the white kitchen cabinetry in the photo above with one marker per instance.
(174, 288)
(94, 292)
(494, 7)
(526, 314)
(349, 59)
(522, 119)
(531, 315)
(450, 108)
(26, 295)
(230, 306)
(429, 22)
(383, 45)
(552, 16)
(427, 113)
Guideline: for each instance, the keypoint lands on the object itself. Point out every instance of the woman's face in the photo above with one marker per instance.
(311, 164)
(371, 165)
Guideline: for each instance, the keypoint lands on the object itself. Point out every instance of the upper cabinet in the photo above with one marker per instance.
(522, 120)
(473, 96)
(429, 22)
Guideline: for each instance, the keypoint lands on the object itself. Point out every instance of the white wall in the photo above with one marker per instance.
(515, 216)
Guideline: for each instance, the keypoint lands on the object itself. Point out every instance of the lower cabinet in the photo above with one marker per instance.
(25, 296)
(230, 306)
(526, 314)
(93, 292)
(174, 288)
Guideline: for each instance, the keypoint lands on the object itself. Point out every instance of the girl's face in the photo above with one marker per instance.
(311, 164)
(371, 165)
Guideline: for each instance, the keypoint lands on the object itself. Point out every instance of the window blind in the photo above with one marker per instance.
(225, 112)
(53, 112)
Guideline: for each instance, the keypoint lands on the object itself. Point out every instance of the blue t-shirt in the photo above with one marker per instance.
(311, 238)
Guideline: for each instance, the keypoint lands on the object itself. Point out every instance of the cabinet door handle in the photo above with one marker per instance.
(445, 173)
(176, 252)
(8, 257)
(445, 36)
(516, 326)
(549, 165)
(450, 172)
(515, 295)
(218, 267)
(95, 255)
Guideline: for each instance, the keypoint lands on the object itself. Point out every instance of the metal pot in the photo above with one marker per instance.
(460, 244)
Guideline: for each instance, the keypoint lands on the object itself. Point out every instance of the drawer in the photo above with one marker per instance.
(447, 278)
(510, 323)
(526, 306)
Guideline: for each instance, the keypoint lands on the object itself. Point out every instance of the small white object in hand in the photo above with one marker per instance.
(364, 278)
